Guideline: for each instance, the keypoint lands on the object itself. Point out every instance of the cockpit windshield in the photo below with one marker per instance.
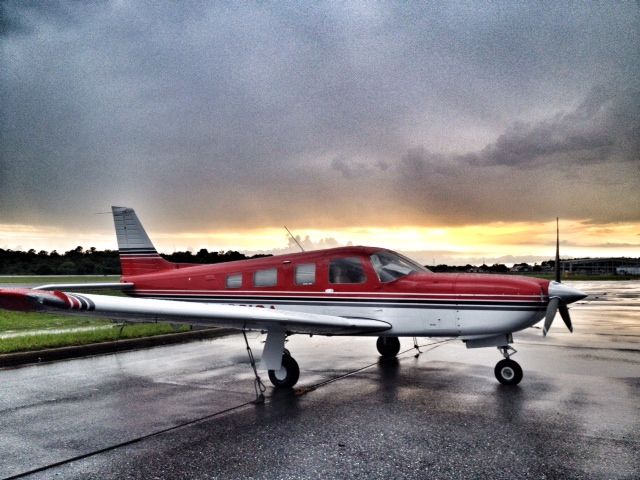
(390, 266)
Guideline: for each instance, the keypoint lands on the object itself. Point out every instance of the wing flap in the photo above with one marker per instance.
(231, 316)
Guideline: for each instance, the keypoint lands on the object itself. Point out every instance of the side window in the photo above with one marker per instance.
(265, 278)
(346, 270)
(306, 274)
(234, 280)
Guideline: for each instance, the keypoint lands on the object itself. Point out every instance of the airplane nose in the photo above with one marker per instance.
(565, 293)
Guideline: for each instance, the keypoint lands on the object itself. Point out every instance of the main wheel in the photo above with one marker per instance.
(288, 374)
(508, 372)
(388, 346)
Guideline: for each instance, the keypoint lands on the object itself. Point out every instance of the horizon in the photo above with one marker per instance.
(499, 242)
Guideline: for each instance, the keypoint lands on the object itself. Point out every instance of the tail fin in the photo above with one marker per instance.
(138, 256)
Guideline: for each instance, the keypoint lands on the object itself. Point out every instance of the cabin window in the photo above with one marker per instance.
(266, 278)
(234, 280)
(346, 270)
(306, 274)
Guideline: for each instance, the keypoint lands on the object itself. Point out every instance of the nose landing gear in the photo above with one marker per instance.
(508, 372)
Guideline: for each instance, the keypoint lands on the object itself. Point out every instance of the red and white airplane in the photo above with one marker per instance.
(340, 291)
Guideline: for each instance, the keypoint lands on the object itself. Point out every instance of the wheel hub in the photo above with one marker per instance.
(508, 373)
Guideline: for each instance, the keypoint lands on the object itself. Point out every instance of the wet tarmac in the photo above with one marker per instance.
(185, 411)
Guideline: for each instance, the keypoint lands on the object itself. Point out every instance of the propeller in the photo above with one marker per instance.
(560, 295)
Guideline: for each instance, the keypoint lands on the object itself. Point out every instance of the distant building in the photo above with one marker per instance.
(628, 270)
(601, 266)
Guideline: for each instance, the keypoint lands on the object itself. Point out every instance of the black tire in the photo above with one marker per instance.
(388, 346)
(508, 372)
(288, 374)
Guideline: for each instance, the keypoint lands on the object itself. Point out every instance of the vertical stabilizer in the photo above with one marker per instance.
(138, 256)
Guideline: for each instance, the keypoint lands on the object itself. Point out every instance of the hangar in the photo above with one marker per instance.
(601, 266)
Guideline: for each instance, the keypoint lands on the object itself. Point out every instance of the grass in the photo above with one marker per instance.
(23, 322)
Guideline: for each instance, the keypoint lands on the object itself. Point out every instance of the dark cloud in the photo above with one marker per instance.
(357, 170)
(581, 164)
(230, 114)
(343, 166)
(606, 119)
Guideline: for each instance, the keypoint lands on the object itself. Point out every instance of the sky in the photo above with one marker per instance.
(453, 131)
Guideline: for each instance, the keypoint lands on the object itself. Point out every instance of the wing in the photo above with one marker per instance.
(196, 313)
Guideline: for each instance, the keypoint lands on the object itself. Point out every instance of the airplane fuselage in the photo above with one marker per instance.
(420, 303)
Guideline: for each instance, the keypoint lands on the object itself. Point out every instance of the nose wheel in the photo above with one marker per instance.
(508, 372)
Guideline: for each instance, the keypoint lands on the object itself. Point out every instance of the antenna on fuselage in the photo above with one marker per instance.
(557, 269)
(294, 238)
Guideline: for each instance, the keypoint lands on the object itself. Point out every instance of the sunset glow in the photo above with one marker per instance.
(453, 245)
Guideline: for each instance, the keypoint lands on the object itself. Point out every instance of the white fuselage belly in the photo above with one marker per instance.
(406, 319)
(435, 322)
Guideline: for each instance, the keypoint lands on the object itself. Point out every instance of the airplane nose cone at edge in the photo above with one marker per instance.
(565, 293)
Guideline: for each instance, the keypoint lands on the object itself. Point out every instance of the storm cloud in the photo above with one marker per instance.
(319, 114)
(580, 164)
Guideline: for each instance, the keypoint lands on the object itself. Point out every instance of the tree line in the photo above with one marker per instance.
(107, 262)
(544, 267)
(92, 261)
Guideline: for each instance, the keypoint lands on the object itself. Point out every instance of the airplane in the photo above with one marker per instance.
(354, 290)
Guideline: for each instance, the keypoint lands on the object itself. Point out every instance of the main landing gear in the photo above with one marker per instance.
(282, 368)
(388, 346)
(508, 372)
(288, 373)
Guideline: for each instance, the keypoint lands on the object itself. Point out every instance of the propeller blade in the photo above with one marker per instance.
(564, 313)
(552, 308)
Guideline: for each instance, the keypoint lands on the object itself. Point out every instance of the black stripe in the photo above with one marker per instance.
(88, 304)
(336, 300)
(80, 300)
